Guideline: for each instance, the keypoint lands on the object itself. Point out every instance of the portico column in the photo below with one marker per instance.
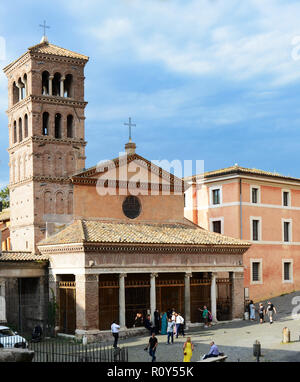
(122, 309)
(213, 296)
(62, 90)
(50, 84)
(237, 294)
(152, 295)
(187, 297)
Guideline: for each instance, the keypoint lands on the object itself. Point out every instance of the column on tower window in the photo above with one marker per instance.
(62, 83)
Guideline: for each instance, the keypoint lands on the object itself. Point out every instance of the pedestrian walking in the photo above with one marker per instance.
(261, 313)
(170, 330)
(204, 315)
(188, 348)
(213, 352)
(115, 332)
(181, 326)
(177, 323)
(270, 311)
(252, 310)
(152, 345)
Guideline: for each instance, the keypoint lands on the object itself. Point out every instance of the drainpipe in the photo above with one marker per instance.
(195, 202)
(241, 212)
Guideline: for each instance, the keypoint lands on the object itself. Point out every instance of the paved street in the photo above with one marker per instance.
(235, 339)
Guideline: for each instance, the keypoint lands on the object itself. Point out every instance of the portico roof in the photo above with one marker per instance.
(97, 231)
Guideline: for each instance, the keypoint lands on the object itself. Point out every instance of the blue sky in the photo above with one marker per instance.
(212, 80)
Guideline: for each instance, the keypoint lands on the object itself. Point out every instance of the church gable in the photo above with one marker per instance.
(131, 171)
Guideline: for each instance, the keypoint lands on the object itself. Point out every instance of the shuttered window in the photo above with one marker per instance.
(255, 271)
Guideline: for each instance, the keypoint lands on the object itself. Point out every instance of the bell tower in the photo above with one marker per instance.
(46, 139)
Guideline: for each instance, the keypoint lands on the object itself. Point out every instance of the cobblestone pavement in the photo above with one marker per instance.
(234, 338)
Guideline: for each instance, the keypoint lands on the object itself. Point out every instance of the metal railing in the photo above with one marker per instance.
(56, 350)
(63, 351)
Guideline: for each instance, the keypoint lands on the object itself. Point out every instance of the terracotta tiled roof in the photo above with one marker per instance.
(240, 170)
(5, 214)
(20, 256)
(47, 48)
(95, 231)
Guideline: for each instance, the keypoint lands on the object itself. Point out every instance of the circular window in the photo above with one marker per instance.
(131, 207)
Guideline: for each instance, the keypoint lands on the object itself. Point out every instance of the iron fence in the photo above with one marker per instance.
(54, 350)
(62, 351)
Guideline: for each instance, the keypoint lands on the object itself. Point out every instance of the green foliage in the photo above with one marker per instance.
(4, 197)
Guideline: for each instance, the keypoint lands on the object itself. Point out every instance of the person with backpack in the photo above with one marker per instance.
(270, 310)
(261, 313)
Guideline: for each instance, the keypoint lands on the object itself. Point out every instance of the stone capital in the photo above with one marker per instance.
(122, 275)
(153, 275)
(188, 274)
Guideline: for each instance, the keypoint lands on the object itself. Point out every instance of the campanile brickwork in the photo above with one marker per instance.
(46, 139)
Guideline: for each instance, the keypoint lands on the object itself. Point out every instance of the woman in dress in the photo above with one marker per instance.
(164, 324)
(188, 349)
(252, 311)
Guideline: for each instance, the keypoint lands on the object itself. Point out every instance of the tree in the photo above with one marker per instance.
(4, 197)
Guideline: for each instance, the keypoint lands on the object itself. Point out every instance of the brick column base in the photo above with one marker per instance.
(87, 302)
(237, 294)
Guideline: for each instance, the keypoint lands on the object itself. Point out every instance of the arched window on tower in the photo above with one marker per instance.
(15, 132)
(56, 84)
(45, 83)
(70, 129)
(20, 130)
(68, 86)
(15, 94)
(57, 126)
(45, 123)
(25, 126)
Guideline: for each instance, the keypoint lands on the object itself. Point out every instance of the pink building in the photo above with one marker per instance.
(257, 206)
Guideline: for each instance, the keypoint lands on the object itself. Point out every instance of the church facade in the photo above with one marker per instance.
(114, 236)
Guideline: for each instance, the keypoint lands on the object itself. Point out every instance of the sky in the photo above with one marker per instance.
(211, 80)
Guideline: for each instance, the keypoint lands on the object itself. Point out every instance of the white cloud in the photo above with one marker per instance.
(239, 40)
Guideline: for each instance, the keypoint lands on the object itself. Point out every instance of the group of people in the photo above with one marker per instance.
(170, 323)
(262, 311)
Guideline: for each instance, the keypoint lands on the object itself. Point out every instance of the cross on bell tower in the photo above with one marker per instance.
(130, 146)
(44, 26)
